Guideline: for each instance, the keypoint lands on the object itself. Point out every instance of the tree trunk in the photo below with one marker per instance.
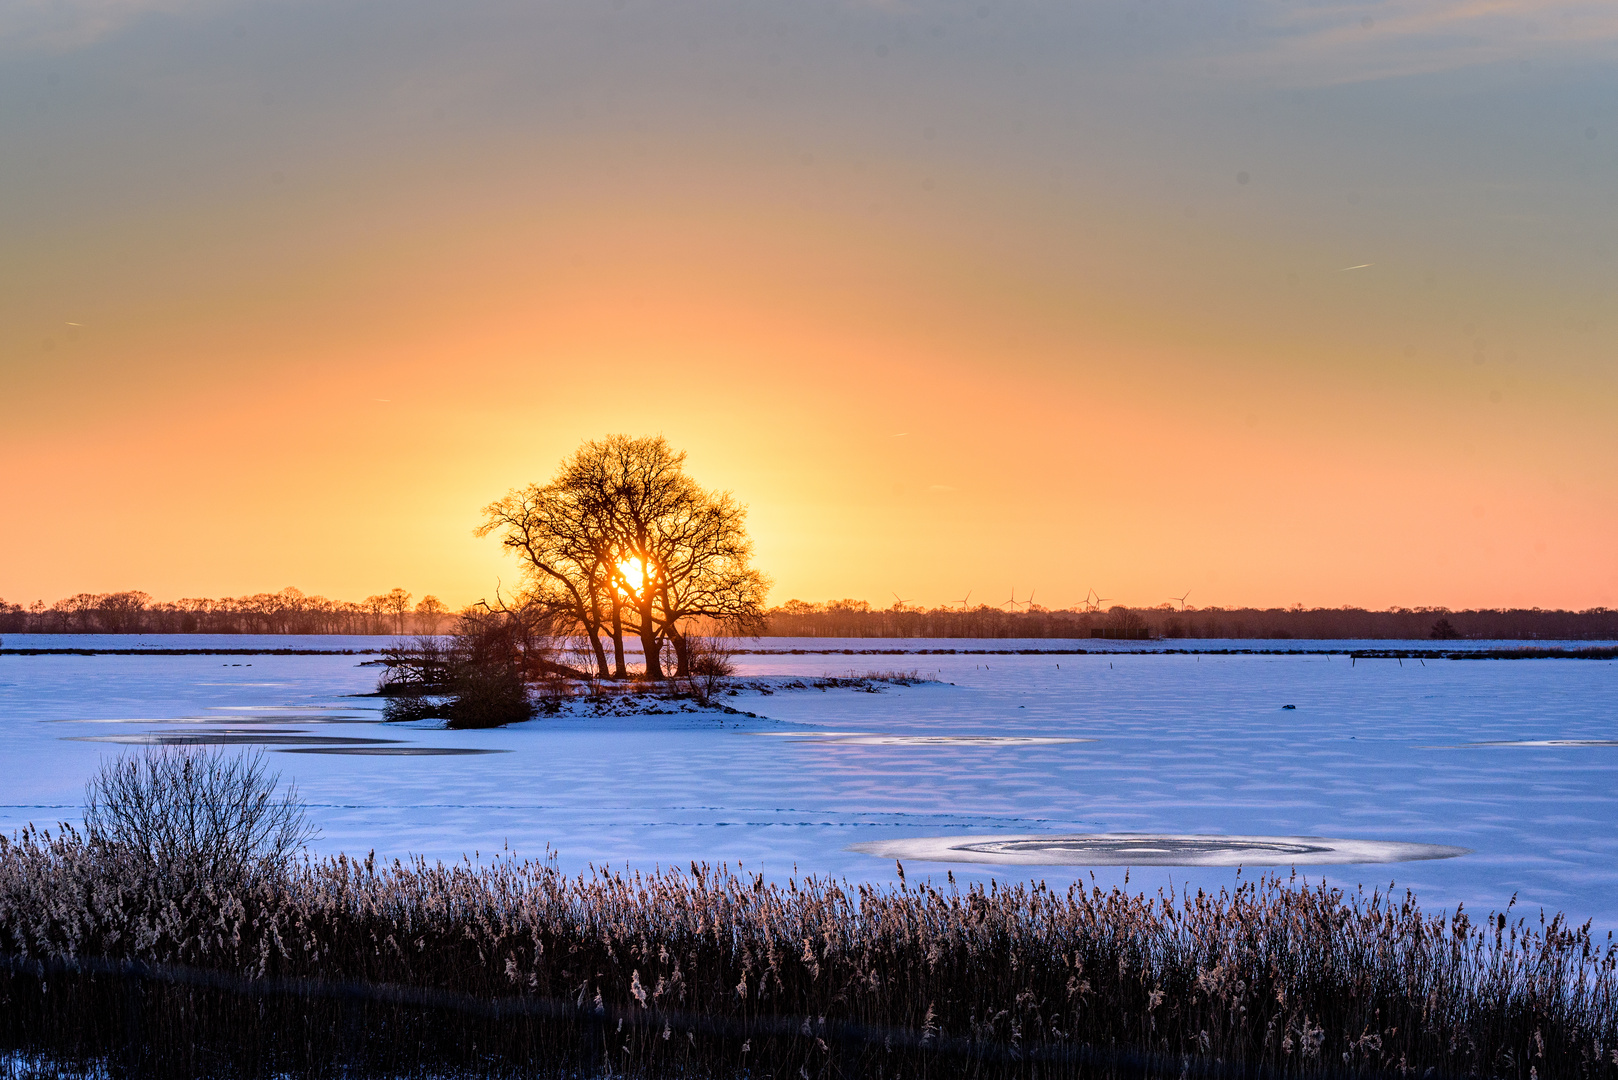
(601, 654)
(682, 654)
(592, 626)
(649, 643)
(619, 671)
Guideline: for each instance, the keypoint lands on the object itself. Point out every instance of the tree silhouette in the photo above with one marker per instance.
(622, 541)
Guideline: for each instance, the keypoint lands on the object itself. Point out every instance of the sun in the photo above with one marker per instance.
(633, 571)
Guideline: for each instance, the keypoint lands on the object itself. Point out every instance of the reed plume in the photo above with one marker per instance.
(708, 971)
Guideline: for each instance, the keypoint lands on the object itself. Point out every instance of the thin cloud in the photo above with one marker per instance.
(66, 25)
(1382, 39)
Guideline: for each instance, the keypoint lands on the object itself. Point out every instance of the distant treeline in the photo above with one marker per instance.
(397, 612)
(857, 619)
(286, 612)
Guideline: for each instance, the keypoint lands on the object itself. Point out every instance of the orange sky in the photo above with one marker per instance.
(977, 318)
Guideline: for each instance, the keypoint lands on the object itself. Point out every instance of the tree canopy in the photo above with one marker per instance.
(622, 542)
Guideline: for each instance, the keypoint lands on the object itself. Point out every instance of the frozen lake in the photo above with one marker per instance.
(1516, 760)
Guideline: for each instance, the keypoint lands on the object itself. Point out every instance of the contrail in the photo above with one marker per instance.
(1361, 266)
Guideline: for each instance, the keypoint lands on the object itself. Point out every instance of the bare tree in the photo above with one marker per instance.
(119, 613)
(624, 542)
(565, 558)
(430, 613)
(396, 602)
(677, 552)
(703, 551)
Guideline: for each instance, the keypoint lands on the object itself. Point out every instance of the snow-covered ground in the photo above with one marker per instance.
(1516, 760)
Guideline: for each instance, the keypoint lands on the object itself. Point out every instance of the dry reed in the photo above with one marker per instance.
(710, 972)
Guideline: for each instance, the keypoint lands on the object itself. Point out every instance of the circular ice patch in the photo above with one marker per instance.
(1153, 849)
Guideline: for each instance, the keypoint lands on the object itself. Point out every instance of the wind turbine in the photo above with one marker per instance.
(962, 601)
(1181, 599)
(1012, 603)
(900, 602)
(1028, 604)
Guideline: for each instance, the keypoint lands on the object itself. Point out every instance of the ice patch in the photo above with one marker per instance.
(862, 738)
(1544, 742)
(1148, 849)
(393, 751)
(334, 718)
(224, 738)
(946, 740)
(271, 708)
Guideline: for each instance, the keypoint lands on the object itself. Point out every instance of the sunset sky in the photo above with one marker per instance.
(1278, 302)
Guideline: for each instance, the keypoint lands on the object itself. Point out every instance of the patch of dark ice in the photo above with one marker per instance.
(224, 738)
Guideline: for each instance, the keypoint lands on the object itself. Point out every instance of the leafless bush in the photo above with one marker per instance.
(712, 662)
(420, 667)
(479, 675)
(188, 816)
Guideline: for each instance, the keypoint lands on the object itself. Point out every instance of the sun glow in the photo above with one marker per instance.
(632, 573)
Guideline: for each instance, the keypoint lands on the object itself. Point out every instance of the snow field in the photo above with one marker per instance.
(1510, 759)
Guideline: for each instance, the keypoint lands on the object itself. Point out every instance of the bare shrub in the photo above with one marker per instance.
(421, 667)
(188, 816)
(415, 675)
(402, 708)
(488, 697)
(712, 663)
(478, 676)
